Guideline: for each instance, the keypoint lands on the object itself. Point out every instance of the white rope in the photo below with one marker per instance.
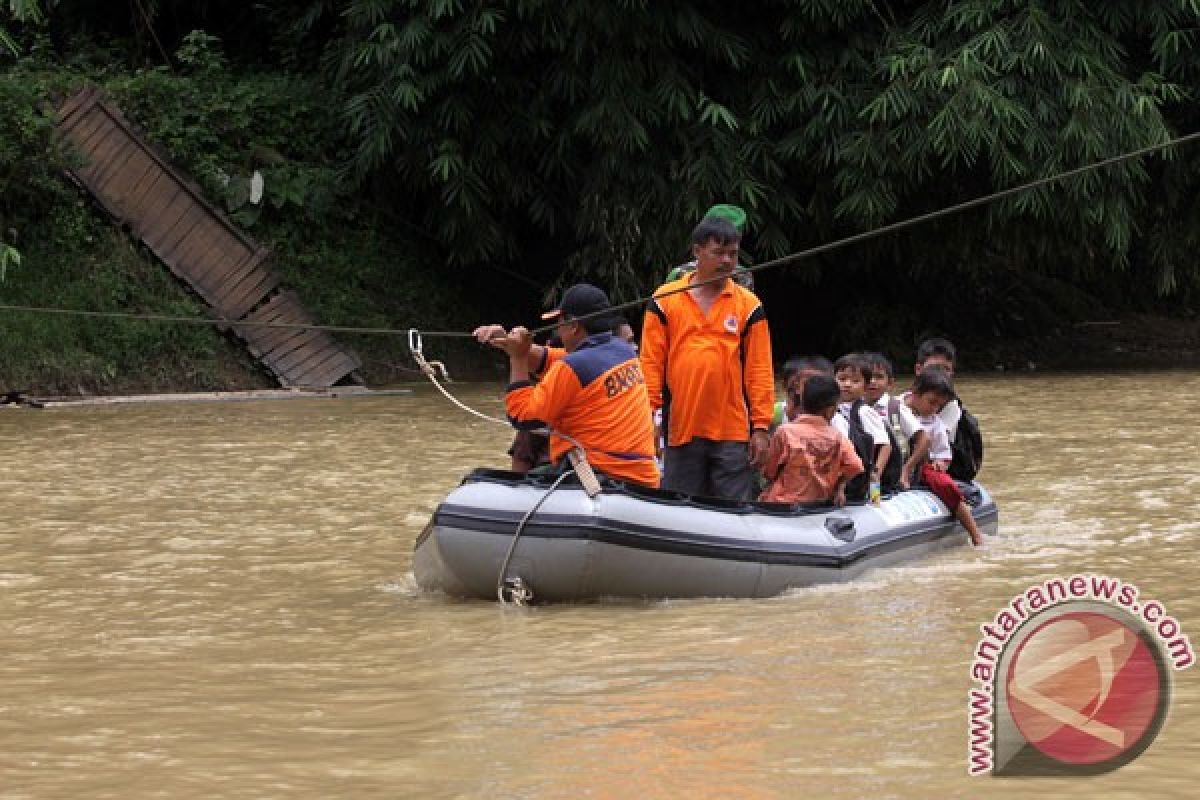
(520, 593)
(431, 368)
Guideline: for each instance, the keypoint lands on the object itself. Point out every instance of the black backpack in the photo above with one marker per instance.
(889, 479)
(967, 448)
(864, 445)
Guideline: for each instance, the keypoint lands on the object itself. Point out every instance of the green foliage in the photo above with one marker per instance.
(524, 143)
(200, 53)
(580, 121)
(993, 95)
(222, 125)
(31, 161)
(9, 257)
(607, 128)
(88, 264)
(364, 277)
(21, 11)
(219, 123)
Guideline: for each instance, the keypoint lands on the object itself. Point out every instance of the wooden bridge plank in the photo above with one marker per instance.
(99, 148)
(324, 353)
(245, 284)
(68, 112)
(306, 348)
(90, 123)
(250, 269)
(224, 266)
(214, 264)
(319, 353)
(296, 357)
(176, 209)
(138, 190)
(145, 200)
(114, 165)
(197, 242)
(122, 189)
(343, 367)
(286, 340)
(281, 342)
(225, 254)
(338, 365)
(331, 373)
(250, 293)
(174, 243)
(269, 340)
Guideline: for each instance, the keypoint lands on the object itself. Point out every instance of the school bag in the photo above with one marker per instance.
(864, 445)
(889, 479)
(967, 448)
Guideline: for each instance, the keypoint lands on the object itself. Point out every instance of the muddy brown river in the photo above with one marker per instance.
(216, 601)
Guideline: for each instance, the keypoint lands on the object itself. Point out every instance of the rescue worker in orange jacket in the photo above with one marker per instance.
(595, 394)
(706, 355)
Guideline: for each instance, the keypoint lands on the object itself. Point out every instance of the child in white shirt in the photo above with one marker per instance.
(910, 443)
(931, 390)
(858, 421)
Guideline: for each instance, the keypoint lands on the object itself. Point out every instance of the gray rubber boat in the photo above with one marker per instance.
(648, 543)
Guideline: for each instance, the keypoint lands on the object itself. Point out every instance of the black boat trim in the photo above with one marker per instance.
(666, 497)
(670, 497)
(678, 542)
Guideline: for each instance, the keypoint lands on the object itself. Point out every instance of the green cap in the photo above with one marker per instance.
(678, 272)
(729, 212)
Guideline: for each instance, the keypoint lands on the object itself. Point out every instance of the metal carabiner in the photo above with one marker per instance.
(514, 591)
(431, 368)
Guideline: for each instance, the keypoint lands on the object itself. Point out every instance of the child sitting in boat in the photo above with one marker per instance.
(796, 372)
(931, 391)
(910, 444)
(859, 423)
(808, 461)
(962, 428)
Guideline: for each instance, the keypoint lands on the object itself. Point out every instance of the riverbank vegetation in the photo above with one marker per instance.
(435, 163)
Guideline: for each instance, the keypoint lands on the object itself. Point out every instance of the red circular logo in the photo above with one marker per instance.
(1085, 688)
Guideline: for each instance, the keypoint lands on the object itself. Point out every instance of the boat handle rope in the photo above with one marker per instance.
(516, 591)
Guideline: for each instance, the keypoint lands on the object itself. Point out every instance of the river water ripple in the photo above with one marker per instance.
(216, 601)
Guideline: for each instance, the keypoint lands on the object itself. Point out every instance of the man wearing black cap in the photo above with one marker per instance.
(595, 393)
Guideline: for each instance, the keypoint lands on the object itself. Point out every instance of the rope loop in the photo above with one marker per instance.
(434, 369)
(431, 368)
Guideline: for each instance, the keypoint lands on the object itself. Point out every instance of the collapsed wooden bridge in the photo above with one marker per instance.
(219, 262)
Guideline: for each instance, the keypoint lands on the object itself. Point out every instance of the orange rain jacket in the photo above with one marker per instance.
(597, 396)
(710, 373)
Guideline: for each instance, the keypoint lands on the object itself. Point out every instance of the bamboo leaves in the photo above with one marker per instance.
(819, 115)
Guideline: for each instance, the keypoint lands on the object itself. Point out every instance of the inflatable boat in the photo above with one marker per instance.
(630, 541)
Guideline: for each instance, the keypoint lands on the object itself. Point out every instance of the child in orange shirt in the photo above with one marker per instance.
(808, 461)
